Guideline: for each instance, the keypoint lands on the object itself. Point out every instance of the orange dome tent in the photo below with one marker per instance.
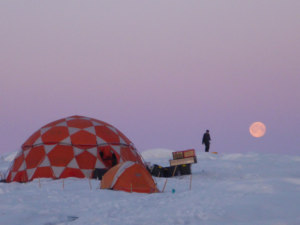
(130, 177)
(71, 147)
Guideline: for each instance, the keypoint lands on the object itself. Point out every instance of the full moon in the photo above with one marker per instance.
(257, 129)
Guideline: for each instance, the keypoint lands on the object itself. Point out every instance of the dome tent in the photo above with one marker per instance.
(130, 177)
(70, 147)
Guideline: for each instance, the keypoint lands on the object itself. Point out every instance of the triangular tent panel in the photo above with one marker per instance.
(44, 130)
(26, 152)
(57, 170)
(73, 130)
(77, 151)
(48, 148)
(99, 165)
(117, 148)
(38, 141)
(30, 172)
(64, 124)
(45, 162)
(73, 164)
(43, 172)
(87, 173)
(96, 123)
(71, 172)
(91, 130)
(21, 176)
(93, 151)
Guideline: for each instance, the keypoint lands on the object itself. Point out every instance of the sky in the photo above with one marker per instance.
(162, 72)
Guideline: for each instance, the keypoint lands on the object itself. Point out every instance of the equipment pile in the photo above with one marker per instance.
(179, 165)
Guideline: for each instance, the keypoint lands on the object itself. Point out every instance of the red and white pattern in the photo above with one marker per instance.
(70, 147)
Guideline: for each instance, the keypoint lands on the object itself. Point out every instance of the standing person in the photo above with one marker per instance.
(206, 140)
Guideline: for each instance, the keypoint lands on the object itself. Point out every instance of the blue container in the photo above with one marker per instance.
(173, 190)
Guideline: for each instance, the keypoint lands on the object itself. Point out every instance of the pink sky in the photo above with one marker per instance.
(162, 72)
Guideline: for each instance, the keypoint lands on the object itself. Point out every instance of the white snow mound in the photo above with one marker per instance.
(157, 153)
(9, 156)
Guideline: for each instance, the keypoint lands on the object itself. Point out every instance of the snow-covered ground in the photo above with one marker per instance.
(244, 189)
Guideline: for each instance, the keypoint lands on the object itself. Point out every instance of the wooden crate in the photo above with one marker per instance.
(189, 153)
(184, 161)
(177, 155)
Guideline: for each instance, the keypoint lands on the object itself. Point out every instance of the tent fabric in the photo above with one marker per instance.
(129, 176)
(71, 147)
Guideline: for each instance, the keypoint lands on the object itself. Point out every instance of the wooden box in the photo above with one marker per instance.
(184, 161)
(189, 153)
(177, 155)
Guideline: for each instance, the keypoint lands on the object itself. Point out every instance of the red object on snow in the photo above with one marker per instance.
(71, 147)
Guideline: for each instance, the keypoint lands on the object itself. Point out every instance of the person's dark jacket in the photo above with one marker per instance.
(206, 138)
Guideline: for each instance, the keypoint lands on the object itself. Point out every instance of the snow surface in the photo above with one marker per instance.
(157, 153)
(227, 189)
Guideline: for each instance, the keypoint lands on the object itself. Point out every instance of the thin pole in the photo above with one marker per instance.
(158, 174)
(99, 186)
(53, 174)
(102, 183)
(90, 183)
(39, 183)
(23, 179)
(174, 171)
(165, 186)
(191, 182)
(63, 183)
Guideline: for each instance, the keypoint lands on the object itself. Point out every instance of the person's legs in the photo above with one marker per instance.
(206, 147)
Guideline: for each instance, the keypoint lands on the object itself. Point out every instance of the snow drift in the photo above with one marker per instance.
(157, 153)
